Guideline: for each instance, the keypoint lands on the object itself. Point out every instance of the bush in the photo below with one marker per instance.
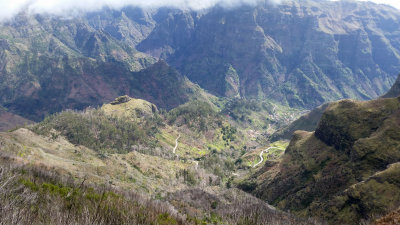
(98, 131)
(196, 114)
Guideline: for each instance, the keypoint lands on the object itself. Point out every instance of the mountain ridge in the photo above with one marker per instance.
(340, 171)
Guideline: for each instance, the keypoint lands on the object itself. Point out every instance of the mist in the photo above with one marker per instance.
(8, 9)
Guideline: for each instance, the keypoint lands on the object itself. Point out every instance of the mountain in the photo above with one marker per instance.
(302, 53)
(50, 64)
(346, 171)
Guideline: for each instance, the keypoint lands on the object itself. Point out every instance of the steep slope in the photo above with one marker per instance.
(345, 171)
(302, 53)
(394, 91)
(50, 64)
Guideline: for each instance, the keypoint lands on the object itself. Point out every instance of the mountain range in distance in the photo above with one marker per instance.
(300, 54)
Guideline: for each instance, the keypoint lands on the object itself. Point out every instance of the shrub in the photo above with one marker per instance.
(98, 131)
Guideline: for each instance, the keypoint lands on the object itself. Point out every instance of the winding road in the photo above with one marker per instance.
(196, 163)
(261, 155)
(176, 143)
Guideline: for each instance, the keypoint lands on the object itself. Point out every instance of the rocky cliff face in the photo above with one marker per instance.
(299, 53)
(303, 53)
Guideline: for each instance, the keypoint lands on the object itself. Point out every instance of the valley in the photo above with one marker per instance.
(267, 113)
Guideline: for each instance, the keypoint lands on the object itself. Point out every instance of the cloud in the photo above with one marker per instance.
(8, 9)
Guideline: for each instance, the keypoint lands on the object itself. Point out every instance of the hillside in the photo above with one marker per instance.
(345, 171)
(183, 160)
(47, 196)
(310, 120)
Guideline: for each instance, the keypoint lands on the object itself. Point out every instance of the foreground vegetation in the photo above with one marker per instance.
(33, 194)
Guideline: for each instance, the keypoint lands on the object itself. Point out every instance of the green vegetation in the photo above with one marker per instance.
(346, 171)
(228, 134)
(249, 159)
(197, 115)
(189, 177)
(241, 109)
(127, 107)
(307, 122)
(220, 163)
(94, 129)
(259, 115)
(38, 196)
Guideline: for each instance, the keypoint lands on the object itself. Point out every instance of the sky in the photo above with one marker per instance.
(8, 9)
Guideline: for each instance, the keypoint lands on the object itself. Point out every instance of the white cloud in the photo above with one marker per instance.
(9, 8)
